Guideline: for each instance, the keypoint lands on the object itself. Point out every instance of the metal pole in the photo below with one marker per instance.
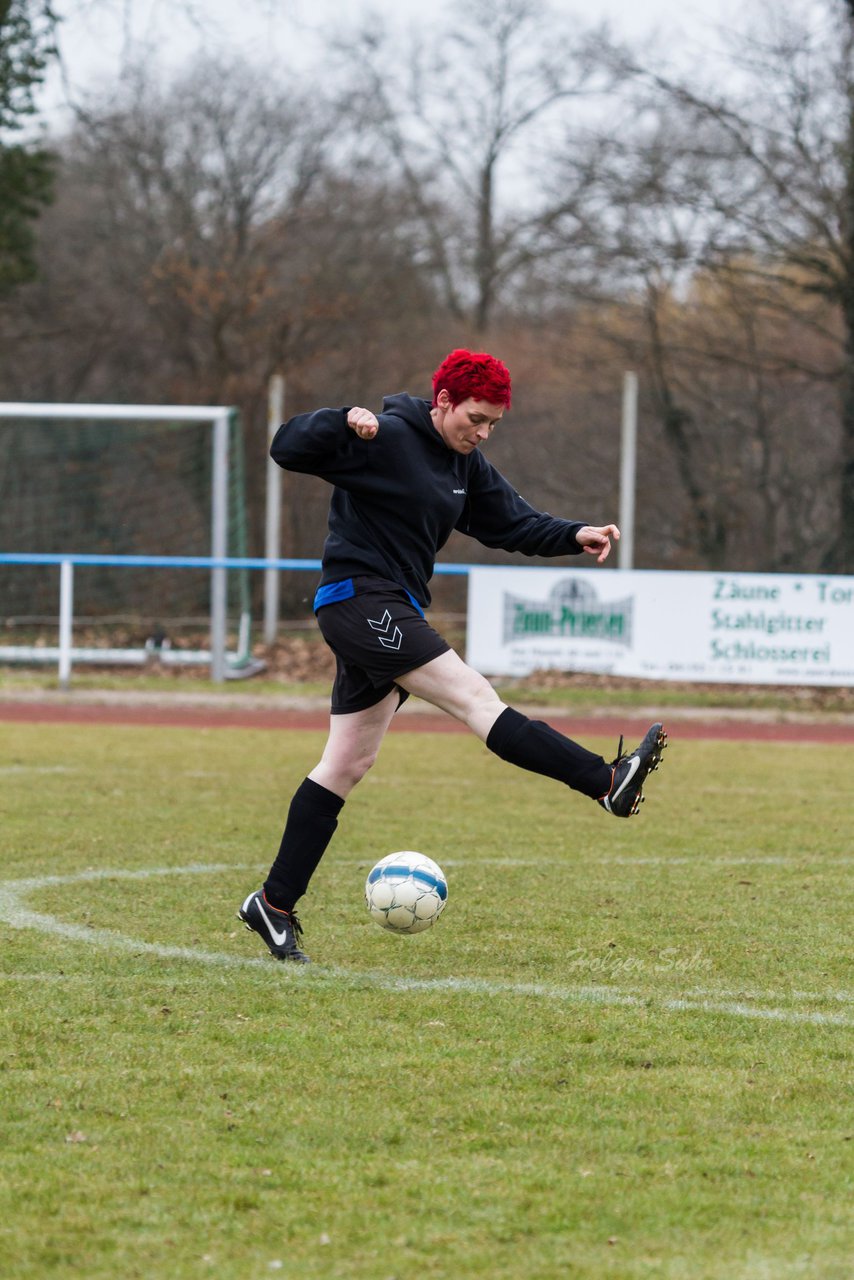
(628, 455)
(66, 612)
(272, 544)
(219, 545)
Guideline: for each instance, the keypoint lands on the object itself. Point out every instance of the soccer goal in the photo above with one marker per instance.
(120, 480)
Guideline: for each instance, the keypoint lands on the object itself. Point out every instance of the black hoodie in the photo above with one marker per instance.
(398, 497)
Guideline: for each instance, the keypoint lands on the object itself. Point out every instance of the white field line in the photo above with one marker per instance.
(14, 769)
(809, 861)
(14, 913)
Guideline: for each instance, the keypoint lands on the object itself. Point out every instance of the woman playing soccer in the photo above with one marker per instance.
(402, 482)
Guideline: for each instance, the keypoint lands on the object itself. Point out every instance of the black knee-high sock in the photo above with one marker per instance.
(535, 745)
(312, 819)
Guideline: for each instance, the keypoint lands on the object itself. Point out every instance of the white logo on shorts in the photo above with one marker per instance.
(392, 641)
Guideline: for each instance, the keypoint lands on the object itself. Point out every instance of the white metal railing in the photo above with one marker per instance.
(65, 653)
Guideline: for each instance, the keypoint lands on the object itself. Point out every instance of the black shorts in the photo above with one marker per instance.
(376, 635)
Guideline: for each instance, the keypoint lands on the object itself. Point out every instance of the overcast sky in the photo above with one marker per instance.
(98, 36)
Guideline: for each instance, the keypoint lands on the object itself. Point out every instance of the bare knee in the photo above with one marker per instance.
(484, 709)
(353, 745)
(359, 764)
(342, 772)
(481, 697)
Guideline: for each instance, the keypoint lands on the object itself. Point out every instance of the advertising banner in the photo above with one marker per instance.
(734, 628)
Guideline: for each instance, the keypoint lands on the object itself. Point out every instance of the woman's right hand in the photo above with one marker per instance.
(363, 422)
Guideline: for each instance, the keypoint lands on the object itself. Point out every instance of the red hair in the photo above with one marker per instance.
(472, 374)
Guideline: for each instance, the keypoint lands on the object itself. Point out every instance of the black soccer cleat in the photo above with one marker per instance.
(281, 930)
(629, 773)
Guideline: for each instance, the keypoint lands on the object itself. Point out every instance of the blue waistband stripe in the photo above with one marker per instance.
(334, 592)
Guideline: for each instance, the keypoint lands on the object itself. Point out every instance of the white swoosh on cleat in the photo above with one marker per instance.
(633, 768)
(279, 938)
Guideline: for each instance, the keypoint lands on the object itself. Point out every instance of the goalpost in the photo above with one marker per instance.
(36, 477)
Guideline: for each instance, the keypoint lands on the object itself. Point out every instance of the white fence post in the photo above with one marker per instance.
(273, 540)
(66, 613)
(219, 545)
(628, 453)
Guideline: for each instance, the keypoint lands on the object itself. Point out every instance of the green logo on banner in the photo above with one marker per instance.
(572, 611)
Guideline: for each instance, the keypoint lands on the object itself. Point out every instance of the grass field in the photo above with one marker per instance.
(621, 1053)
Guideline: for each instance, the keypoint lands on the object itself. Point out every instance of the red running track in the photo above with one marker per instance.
(178, 715)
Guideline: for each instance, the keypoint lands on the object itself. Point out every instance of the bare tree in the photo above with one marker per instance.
(187, 178)
(202, 239)
(464, 120)
(744, 193)
(777, 202)
(26, 48)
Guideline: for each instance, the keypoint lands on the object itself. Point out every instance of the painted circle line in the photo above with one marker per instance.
(14, 913)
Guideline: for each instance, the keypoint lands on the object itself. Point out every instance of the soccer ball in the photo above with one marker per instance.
(406, 892)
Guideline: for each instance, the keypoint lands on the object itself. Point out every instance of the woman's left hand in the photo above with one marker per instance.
(596, 540)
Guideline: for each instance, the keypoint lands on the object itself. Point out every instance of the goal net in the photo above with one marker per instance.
(122, 480)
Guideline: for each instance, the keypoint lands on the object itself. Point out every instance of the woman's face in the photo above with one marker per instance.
(466, 425)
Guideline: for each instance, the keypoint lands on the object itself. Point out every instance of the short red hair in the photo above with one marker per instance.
(472, 374)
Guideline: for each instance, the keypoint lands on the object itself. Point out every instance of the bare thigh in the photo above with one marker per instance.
(353, 744)
(450, 684)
